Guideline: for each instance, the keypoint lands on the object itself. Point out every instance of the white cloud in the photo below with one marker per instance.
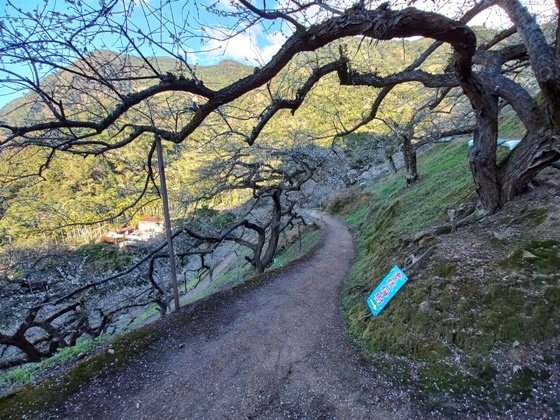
(493, 17)
(228, 5)
(273, 43)
(253, 45)
(257, 47)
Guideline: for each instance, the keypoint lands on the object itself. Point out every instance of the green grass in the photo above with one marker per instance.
(298, 248)
(234, 274)
(460, 315)
(445, 181)
(151, 310)
(25, 374)
(240, 269)
(510, 125)
(397, 213)
(105, 258)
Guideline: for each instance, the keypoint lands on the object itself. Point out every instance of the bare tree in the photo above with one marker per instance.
(274, 179)
(58, 300)
(92, 77)
(90, 102)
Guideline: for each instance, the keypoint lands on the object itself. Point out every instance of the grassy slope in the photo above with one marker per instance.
(396, 213)
(445, 349)
(240, 269)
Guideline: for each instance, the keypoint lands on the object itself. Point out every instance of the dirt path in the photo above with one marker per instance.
(276, 350)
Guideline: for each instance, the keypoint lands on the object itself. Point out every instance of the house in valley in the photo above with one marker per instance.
(148, 228)
(151, 226)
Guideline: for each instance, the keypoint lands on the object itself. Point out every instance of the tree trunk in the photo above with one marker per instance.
(256, 258)
(535, 152)
(409, 155)
(33, 355)
(274, 230)
(19, 341)
(541, 145)
(391, 163)
(541, 55)
(485, 172)
(482, 156)
(557, 49)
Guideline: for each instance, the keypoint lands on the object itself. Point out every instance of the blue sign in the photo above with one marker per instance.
(385, 290)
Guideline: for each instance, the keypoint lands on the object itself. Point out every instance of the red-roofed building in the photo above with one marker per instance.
(126, 230)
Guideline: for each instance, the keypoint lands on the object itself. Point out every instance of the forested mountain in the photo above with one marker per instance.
(50, 196)
(40, 202)
(51, 202)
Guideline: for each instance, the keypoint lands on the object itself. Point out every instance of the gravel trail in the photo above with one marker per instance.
(275, 350)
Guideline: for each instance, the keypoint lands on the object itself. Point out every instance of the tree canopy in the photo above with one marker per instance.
(104, 100)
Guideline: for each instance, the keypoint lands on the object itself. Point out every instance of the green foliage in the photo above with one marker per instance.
(73, 190)
(21, 375)
(212, 218)
(105, 257)
(25, 374)
(76, 190)
(451, 380)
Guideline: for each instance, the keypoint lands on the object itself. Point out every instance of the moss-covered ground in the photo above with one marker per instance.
(32, 399)
(478, 316)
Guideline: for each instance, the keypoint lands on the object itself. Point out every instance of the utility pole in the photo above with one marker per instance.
(168, 233)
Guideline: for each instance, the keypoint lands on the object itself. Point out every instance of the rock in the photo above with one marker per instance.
(110, 351)
(529, 256)
(505, 234)
(424, 306)
(451, 215)
(515, 344)
(411, 259)
(499, 236)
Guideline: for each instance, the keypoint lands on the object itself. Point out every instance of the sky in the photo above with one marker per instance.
(209, 38)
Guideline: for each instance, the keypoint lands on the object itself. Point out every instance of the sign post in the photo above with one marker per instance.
(385, 290)
(168, 232)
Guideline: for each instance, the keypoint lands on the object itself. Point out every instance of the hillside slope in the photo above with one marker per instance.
(478, 324)
(274, 348)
